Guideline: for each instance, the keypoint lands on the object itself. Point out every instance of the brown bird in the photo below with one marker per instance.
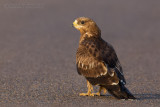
(97, 61)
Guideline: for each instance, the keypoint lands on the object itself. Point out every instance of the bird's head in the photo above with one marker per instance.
(86, 25)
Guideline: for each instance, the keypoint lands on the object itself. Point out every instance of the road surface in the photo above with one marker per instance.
(38, 46)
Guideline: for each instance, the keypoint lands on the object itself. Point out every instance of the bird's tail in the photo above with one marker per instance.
(120, 91)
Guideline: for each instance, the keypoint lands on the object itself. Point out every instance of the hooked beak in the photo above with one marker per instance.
(75, 24)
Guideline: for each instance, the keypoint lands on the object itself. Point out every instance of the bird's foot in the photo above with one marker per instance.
(96, 94)
(90, 94)
(86, 94)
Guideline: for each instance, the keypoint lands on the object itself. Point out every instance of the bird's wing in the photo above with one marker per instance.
(87, 63)
(90, 67)
(110, 58)
(95, 59)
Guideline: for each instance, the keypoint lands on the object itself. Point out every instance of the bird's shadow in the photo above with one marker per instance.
(146, 96)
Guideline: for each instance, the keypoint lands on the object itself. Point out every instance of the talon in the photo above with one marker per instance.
(86, 94)
(91, 94)
(96, 94)
(83, 94)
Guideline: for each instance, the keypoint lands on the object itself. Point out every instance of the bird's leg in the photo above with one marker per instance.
(99, 92)
(90, 89)
(104, 90)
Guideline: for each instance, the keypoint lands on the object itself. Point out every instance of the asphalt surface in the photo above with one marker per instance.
(38, 46)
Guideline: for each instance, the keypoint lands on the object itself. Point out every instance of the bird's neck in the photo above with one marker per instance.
(91, 30)
(88, 35)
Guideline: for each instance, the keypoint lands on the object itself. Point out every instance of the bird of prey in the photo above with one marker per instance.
(97, 61)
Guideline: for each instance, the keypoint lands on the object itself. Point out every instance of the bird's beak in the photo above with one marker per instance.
(75, 24)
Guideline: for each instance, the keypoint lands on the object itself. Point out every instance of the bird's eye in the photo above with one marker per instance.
(82, 22)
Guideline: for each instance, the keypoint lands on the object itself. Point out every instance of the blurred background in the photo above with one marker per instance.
(38, 46)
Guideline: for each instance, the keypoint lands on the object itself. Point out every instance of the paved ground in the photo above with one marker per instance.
(38, 46)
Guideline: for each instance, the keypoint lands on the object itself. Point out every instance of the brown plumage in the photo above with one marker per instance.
(97, 61)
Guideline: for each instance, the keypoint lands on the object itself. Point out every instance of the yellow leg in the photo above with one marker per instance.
(104, 90)
(90, 89)
(99, 92)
